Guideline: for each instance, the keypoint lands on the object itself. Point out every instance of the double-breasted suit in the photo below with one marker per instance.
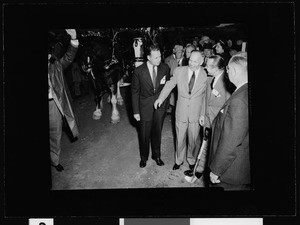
(143, 98)
(229, 153)
(189, 108)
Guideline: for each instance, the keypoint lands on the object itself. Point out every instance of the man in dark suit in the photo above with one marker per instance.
(216, 96)
(229, 160)
(147, 82)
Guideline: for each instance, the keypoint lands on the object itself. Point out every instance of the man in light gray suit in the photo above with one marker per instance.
(229, 159)
(191, 84)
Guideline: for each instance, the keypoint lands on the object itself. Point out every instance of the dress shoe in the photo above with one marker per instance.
(59, 168)
(176, 166)
(191, 167)
(159, 162)
(189, 173)
(142, 163)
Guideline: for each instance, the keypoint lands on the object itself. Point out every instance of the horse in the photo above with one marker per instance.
(101, 65)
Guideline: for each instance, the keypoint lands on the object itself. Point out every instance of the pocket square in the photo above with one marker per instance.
(222, 110)
(216, 93)
(163, 80)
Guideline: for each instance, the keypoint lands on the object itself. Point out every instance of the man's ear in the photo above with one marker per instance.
(234, 72)
(148, 57)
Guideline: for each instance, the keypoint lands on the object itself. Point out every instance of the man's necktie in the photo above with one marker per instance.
(212, 83)
(154, 77)
(191, 83)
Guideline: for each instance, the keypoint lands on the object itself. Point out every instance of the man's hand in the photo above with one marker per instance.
(157, 103)
(137, 117)
(214, 178)
(201, 121)
(72, 33)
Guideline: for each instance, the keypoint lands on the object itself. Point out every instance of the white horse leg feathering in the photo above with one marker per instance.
(115, 115)
(119, 96)
(98, 113)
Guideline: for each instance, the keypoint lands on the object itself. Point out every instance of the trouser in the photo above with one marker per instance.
(151, 131)
(184, 130)
(55, 132)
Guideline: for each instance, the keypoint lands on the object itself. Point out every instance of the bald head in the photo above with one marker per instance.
(196, 60)
(238, 68)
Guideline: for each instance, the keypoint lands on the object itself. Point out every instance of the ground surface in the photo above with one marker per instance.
(106, 155)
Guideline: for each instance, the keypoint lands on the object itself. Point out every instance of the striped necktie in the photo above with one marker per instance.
(154, 77)
(191, 83)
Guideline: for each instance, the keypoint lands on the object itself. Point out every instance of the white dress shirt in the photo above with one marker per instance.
(190, 73)
(216, 79)
(150, 68)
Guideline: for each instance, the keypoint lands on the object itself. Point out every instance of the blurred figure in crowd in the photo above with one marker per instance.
(60, 107)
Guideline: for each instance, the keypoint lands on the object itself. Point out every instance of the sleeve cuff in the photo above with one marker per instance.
(75, 42)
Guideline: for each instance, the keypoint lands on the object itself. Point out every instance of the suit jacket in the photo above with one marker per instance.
(142, 90)
(185, 62)
(189, 107)
(215, 99)
(229, 152)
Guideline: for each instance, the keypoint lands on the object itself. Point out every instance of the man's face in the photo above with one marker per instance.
(207, 52)
(188, 52)
(195, 61)
(178, 54)
(154, 58)
(210, 68)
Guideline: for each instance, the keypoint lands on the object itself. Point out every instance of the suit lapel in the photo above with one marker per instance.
(185, 79)
(219, 82)
(159, 75)
(198, 81)
(147, 75)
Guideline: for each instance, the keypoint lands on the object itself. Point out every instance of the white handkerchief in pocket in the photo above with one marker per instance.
(215, 93)
(163, 80)
(222, 110)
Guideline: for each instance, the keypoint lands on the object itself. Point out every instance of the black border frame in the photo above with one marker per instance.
(272, 99)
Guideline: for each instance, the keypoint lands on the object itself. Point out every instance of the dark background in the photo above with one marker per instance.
(27, 172)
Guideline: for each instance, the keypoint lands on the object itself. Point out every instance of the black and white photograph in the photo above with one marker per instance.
(101, 90)
(149, 110)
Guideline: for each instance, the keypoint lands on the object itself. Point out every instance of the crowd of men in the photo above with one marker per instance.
(211, 92)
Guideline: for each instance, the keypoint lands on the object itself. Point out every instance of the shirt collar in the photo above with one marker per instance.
(240, 85)
(196, 71)
(217, 78)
